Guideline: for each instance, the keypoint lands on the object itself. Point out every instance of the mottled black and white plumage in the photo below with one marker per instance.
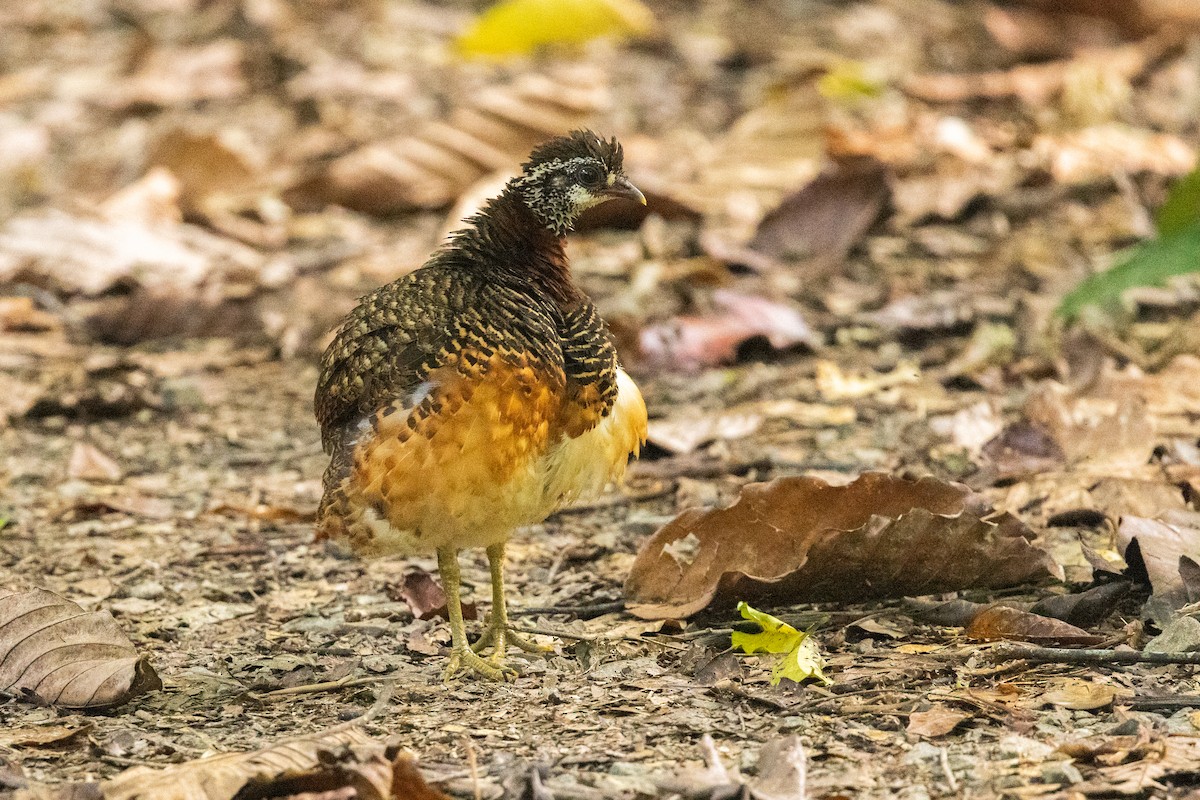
(567, 176)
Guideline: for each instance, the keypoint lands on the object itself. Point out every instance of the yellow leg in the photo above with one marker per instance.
(499, 633)
(461, 655)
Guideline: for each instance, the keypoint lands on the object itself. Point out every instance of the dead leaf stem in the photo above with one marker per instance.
(1062, 655)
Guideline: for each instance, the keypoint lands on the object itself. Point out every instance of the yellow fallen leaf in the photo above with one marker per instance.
(802, 658)
(849, 82)
(518, 27)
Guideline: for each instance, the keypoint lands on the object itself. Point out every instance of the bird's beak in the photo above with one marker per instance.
(621, 187)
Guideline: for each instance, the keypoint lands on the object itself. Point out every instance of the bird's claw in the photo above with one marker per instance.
(499, 637)
(461, 658)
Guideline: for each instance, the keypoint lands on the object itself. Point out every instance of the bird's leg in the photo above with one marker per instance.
(461, 655)
(499, 633)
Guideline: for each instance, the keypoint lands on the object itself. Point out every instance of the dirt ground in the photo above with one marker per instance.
(159, 459)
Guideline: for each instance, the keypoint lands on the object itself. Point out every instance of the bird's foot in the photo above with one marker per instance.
(498, 637)
(492, 669)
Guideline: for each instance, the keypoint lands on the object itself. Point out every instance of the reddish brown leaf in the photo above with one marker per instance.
(53, 650)
(806, 541)
(1003, 622)
(690, 342)
(426, 597)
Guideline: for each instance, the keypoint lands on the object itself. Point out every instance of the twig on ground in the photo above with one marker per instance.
(582, 611)
(580, 637)
(729, 687)
(1172, 703)
(944, 758)
(1062, 655)
(323, 686)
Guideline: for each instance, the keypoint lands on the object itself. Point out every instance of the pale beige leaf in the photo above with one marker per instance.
(937, 721)
(1080, 695)
(89, 463)
(53, 650)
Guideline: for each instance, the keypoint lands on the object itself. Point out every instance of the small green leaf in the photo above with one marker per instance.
(1182, 208)
(802, 659)
(1151, 263)
(3, 522)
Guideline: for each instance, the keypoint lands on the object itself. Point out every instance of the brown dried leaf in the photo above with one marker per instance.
(320, 762)
(801, 539)
(72, 254)
(1085, 608)
(1097, 434)
(152, 199)
(90, 464)
(1023, 449)
(52, 650)
(690, 342)
(1172, 392)
(430, 169)
(1036, 84)
(266, 512)
(124, 502)
(821, 222)
(1173, 758)
(42, 735)
(685, 433)
(782, 774)
(176, 76)
(1003, 622)
(1095, 153)
(206, 165)
(424, 595)
(937, 721)
(1163, 545)
(19, 315)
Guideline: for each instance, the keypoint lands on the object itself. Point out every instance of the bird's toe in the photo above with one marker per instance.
(485, 667)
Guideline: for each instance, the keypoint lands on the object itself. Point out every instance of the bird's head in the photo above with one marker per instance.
(567, 175)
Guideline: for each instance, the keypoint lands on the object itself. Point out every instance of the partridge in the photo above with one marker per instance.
(482, 391)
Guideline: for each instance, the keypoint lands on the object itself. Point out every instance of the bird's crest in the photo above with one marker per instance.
(578, 144)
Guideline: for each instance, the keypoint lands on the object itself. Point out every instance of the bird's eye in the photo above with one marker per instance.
(589, 175)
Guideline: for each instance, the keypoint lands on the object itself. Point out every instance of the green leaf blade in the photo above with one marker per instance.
(1149, 264)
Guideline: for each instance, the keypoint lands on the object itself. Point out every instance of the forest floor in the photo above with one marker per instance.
(159, 459)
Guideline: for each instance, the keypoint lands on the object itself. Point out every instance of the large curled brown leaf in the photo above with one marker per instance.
(319, 763)
(801, 539)
(53, 650)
